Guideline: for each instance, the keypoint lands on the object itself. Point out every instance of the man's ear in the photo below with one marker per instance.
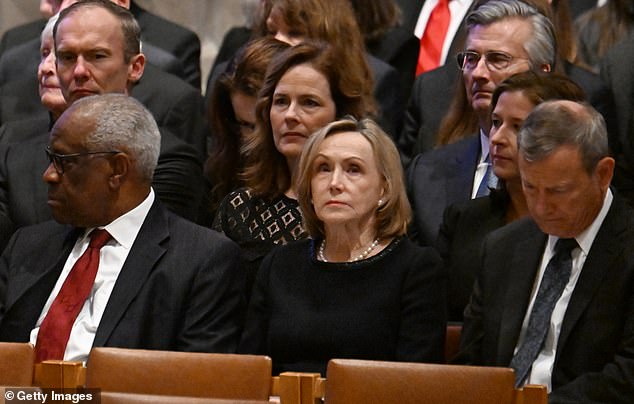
(136, 67)
(120, 165)
(604, 172)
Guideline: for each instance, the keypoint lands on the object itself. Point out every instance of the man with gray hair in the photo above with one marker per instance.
(503, 38)
(554, 298)
(117, 269)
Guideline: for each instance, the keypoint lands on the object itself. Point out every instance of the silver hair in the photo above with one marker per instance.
(123, 123)
(553, 124)
(541, 48)
(47, 32)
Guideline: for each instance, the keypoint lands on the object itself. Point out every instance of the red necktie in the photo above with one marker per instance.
(55, 329)
(433, 38)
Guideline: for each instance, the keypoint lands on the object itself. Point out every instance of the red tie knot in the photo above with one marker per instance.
(98, 238)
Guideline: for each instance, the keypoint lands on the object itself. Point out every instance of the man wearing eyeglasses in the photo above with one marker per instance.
(503, 38)
(116, 268)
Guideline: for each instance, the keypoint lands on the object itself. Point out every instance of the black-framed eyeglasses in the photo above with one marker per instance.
(494, 60)
(58, 159)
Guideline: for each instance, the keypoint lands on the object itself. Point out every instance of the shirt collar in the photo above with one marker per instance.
(125, 228)
(586, 237)
(484, 146)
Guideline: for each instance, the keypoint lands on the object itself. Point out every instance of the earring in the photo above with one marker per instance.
(380, 202)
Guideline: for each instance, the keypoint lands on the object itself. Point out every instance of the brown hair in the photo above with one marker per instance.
(245, 74)
(333, 22)
(540, 87)
(615, 21)
(393, 216)
(266, 170)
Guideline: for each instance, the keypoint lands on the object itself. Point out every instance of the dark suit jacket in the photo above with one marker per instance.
(175, 105)
(433, 91)
(175, 39)
(464, 227)
(617, 71)
(180, 287)
(21, 33)
(578, 7)
(399, 48)
(437, 179)
(177, 180)
(594, 361)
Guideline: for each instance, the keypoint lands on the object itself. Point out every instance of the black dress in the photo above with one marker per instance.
(304, 312)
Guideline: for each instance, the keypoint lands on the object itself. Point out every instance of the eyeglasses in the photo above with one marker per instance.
(494, 61)
(58, 159)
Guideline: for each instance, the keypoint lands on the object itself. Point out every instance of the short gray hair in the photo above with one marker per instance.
(553, 124)
(541, 48)
(123, 123)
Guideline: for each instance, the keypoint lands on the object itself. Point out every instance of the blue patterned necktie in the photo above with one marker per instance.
(554, 281)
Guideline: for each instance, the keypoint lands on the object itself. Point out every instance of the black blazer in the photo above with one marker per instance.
(21, 33)
(464, 227)
(174, 38)
(437, 179)
(617, 71)
(180, 287)
(177, 179)
(593, 361)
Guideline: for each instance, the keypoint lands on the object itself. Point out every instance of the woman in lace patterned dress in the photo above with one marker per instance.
(306, 87)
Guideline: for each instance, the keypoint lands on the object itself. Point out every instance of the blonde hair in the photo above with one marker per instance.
(393, 216)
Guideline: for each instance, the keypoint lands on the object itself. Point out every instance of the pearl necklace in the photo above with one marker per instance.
(359, 257)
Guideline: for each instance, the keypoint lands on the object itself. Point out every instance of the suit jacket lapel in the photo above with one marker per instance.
(31, 288)
(460, 182)
(599, 262)
(141, 261)
(519, 284)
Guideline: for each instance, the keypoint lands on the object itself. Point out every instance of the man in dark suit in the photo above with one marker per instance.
(496, 36)
(169, 46)
(617, 70)
(575, 337)
(415, 15)
(161, 282)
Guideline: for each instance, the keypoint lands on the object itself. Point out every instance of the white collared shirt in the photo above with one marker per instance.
(481, 169)
(112, 256)
(542, 369)
(457, 8)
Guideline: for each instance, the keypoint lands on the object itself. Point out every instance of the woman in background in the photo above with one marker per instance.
(231, 114)
(358, 288)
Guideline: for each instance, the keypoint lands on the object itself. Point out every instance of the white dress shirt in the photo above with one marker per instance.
(481, 169)
(112, 256)
(542, 369)
(457, 8)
